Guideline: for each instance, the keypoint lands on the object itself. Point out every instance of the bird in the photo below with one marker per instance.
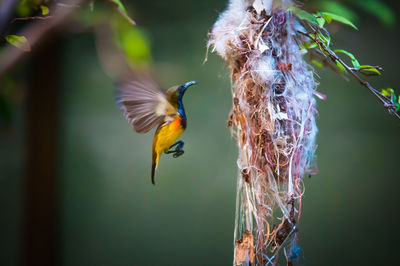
(146, 105)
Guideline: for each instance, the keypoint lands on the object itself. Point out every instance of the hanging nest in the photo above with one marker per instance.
(273, 120)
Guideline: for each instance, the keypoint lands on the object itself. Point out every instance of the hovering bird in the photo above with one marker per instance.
(145, 105)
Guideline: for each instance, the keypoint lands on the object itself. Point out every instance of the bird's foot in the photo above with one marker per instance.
(178, 151)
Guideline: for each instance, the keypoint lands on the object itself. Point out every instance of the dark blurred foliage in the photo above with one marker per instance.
(107, 211)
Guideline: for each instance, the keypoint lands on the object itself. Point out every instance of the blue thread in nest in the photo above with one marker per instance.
(294, 252)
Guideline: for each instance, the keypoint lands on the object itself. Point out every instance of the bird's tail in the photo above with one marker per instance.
(155, 159)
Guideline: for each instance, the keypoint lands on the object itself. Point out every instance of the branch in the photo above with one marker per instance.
(35, 33)
(387, 103)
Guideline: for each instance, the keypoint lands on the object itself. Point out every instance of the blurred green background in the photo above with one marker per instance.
(110, 214)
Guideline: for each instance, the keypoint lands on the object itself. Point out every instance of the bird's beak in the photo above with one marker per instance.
(189, 83)
(183, 87)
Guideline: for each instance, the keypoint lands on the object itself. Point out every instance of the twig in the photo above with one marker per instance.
(388, 104)
(30, 18)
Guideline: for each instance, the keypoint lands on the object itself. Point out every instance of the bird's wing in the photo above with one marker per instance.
(143, 103)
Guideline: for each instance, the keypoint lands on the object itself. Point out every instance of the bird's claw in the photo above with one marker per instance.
(178, 151)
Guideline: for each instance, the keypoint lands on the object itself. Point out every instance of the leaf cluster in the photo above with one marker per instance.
(317, 42)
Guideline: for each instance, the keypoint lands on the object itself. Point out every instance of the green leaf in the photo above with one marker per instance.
(354, 61)
(122, 10)
(45, 10)
(303, 15)
(308, 45)
(24, 8)
(337, 8)
(321, 22)
(379, 9)
(398, 104)
(317, 63)
(370, 69)
(388, 92)
(19, 41)
(330, 16)
(340, 66)
(133, 42)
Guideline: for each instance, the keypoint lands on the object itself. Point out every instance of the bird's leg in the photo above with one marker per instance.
(178, 151)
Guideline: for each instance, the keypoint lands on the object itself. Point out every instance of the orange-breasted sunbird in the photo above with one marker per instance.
(145, 105)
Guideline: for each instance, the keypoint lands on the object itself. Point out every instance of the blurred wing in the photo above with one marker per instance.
(143, 103)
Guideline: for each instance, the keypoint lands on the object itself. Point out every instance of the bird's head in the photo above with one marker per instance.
(176, 93)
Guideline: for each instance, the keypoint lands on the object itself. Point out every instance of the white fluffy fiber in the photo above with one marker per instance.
(229, 27)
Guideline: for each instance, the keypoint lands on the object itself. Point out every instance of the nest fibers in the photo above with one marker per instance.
(273, 119)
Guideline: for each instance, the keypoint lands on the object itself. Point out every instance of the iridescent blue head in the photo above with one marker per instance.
(181, 91)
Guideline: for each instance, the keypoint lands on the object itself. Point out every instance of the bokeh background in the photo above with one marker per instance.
(107, 212)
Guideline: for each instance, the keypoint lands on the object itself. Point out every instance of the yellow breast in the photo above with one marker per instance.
(166, 135)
